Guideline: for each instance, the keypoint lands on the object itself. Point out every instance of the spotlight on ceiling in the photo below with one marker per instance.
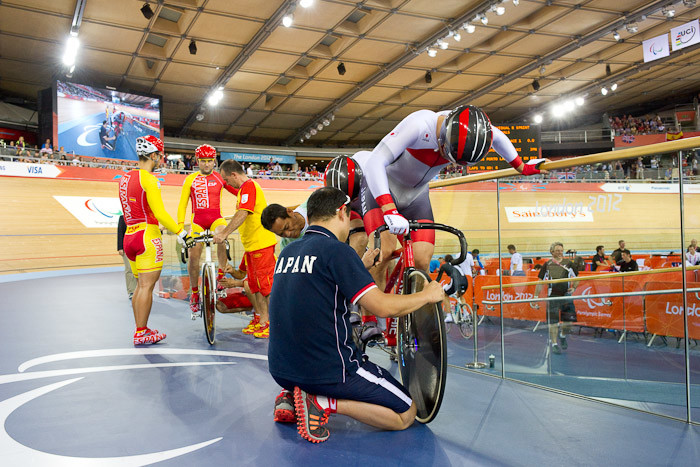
(428, 77)
(668, 11)
(500, 10)
(307, 135)
(457, 36)
(470, 28)
(341, 68)
(579, 101)
(199, 117)
(613, 87)
(313, 131)
(537, 118)
(306, 3)
(604, 91)
(616, 35)
(319, 127)
(484, 20)
(516, 2)
(326, 121)
(215, 97)
(146, 11)
(193, 47)
(442, 44)
(632, 27)
(542, 69)
(536, 85)
(432, 52)
(689, 3)
(287, 20)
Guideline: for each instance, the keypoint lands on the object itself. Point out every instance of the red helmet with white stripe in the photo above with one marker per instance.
(345, 174)
(146, 145)
(466, 135)
(205, 151)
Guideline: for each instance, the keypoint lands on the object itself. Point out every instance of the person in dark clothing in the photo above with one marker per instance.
(106, 141)
(627, 264)
(128, 275)
(616, 255)
(599, 260)
(457, 285)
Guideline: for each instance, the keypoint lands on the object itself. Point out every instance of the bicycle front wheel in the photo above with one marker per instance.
(422, 349)
(464, 317)
(208, 303)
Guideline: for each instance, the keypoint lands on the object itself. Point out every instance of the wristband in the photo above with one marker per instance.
(383, 200)
(393, 212)
(515, 163)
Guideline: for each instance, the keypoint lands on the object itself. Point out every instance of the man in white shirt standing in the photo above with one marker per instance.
(516, 262)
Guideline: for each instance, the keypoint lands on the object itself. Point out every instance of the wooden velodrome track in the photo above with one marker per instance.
(40, 234)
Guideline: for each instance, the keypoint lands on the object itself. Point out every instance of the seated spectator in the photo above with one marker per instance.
(76, 161)
(47, 147)
(627, 264)
(616, 255)
(692, 257)
(599, 259)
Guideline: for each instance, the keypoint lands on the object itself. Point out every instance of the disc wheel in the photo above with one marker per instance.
(462, 314)
(208, 303)
(422, 350)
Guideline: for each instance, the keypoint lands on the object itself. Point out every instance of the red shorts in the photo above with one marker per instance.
(236, 298)
(261, 268)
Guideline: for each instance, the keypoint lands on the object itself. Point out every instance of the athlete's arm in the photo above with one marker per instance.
(385, 305)
(502, 145)
(184, 199)
(155, 202)
(236, 221)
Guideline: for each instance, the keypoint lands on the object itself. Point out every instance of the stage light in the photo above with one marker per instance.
(470, 28)
(442, 44)
(307, 135)
(306, 3)
(668, 11)
(341, 68)
(313, 131)
(542, 69)
(500, 10)
(215, 97)
(616, 35)
(613, 87)
(301, 140)
(579, 101)
(457, 36)
(538, 118)
(536, 85)
(484, 20)
(428, 77)
(557, 110)
(326, 122)
(287, 20)
(71, 52)
(516, 2)
(604, 91)
(432, 52)
(146, 11)
(319, 127)
(199, 117)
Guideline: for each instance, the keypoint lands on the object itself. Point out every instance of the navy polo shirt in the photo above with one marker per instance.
(310, 332)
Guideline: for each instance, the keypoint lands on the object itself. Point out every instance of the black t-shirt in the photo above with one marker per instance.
(616, 255)
(552, 270)
(310, 332)
(103, 134)
(631, 266)
(598, 258)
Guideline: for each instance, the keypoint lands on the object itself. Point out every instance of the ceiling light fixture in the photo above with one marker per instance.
(146, 11)
(689, 3)
(215, 97)
(538, 118)
(457, 36)
(313, 131)
(307, 135)
(326, 121)
(428, 77)
(613, 87)
(669, 11)
(319, 127)
(616, 35)
(432, 52)
(484, 20)
(542, 69)
(287, 20)
(604, 91)
(341, 68)
(72, 46)
(579, 101)
(306, 3)
(500, 10)
(442, 44)
(193, 47)
(470, 28)
(516, 2)
(632, 27)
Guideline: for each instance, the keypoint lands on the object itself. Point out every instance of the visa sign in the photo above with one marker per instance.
(685, 35)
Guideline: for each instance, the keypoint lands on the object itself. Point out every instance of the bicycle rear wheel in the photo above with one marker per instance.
(422, 349)
(208, 303)
(464, 318)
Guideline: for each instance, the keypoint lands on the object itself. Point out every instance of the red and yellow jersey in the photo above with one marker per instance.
(205, 191)
(253, 235)
(139, 194)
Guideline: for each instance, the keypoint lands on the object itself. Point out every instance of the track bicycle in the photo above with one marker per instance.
(421, 344)
(461, 314)
(208, 293)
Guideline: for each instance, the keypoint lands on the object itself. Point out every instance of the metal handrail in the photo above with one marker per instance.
(587, 297)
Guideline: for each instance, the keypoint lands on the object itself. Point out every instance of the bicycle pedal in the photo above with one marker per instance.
(194, 316)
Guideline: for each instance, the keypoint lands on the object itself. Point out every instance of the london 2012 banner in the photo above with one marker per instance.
(685, 35)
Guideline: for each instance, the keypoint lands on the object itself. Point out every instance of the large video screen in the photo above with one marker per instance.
(100, 122)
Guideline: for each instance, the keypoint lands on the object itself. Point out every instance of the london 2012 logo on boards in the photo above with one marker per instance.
(685, 35)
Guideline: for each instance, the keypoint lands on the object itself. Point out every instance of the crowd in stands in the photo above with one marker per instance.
(629, 125)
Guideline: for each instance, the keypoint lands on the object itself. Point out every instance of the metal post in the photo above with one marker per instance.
(476, 363)
(685, 289)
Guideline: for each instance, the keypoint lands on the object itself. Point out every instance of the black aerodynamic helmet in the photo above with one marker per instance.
(466, 135)
(345, 174)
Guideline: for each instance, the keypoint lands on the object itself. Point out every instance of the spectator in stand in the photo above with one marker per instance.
(516, 262)
(627, 264)
(60, 153)
(692, 257)
(640, 168)
(475, 255)
(20, 146)
(76, 161)
(249, 170)
(277, 169)
(694, 244)
(128, 273)
(47, 147)
(599, 259)
(616, 255)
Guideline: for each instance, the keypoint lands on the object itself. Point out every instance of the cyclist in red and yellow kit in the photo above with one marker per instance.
(204, 188)
(139, 194)
(258, 242)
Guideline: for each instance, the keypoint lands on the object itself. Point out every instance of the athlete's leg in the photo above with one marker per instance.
(195, 254)
(388, 245)
(143, 297)
(422, 252)
(358, 238)
(377, 416)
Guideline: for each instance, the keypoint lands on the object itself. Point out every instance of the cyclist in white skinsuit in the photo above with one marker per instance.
(397, 172)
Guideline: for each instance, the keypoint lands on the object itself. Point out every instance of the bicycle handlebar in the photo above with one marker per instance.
(416, 225)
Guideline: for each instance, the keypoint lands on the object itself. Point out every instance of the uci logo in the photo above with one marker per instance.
(685, 35)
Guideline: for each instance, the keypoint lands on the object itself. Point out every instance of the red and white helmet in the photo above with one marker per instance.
(146, 145)
(205, 151)
(466, 135)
